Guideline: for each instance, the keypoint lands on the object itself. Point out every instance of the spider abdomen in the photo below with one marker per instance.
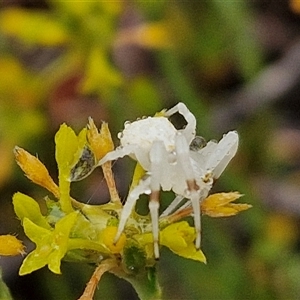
(145, 131)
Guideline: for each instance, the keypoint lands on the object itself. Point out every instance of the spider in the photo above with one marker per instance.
(174, 160)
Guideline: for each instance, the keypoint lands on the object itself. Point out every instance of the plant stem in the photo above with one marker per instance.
(145, 284)
(4, 291)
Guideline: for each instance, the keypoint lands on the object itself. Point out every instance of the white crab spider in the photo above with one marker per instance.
(164, 153)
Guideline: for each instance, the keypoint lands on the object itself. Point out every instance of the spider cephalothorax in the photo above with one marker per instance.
(173, 162)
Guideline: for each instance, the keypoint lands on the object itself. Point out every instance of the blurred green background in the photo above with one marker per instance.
(235, 64)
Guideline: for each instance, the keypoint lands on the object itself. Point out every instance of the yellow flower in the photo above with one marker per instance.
(51, 246)
(35, 170)
(107, 236)
(216, 206)
(219, 205)
(178, 237)
(100, 142)
(10, 245)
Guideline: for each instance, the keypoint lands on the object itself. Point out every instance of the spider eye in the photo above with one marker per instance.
(197, 143)
(84, 166)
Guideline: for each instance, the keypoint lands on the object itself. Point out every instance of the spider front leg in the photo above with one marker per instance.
(190, 129)
(117, 153)
(133, 196)
(194, 193)
(157, 155)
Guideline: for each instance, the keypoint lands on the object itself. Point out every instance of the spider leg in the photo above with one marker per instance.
(133, 196)
(117, 153)
(172, 205)
(184, 206)
(157, 154)
(222, 154)
(190, 129)
(153, 207)
(194, 193)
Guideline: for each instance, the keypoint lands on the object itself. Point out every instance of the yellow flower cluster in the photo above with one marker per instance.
(91, 229)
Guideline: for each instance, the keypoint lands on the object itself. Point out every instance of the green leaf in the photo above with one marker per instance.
(4, 291)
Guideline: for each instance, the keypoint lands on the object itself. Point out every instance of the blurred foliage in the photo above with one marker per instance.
(4, 292)
(62, 61)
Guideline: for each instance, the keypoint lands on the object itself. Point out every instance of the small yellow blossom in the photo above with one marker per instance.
(219, 205)
(51, 245)
(100, 142)
(107, 236)
(35, 170)
(178, 237)
(10, 245)
(216, 206)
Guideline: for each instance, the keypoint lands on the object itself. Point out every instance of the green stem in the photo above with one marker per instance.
(4, 291)
(145, 284)
(65, 199)
(85, 244)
